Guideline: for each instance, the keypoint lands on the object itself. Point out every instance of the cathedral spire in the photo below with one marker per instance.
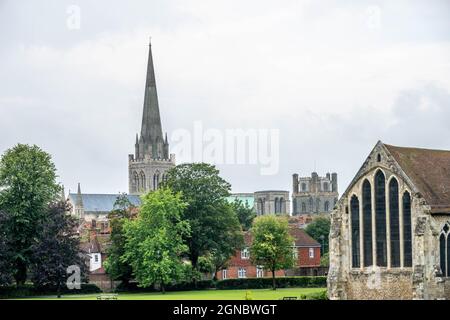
(151, 130)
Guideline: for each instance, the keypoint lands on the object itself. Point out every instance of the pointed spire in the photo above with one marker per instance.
(79, 201)
(151, 121)
(63, 195)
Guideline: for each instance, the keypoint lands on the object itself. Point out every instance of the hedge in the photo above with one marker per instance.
(181, 286)
(263, 283)
(28, 290)
(229, 284)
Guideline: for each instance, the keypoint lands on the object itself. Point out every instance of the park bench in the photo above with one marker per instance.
(289, 298)
(108, 296)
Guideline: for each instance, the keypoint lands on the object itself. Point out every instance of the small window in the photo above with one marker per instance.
(259, 272)
(379, 157)
(224, 274)
(311, 253)
(96, 257)
(245, 254)
(242, 273)
(303, 186)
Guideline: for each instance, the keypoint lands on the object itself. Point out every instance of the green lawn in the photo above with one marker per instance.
(256, 294)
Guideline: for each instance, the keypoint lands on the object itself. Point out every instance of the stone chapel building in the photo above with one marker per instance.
(389, 235)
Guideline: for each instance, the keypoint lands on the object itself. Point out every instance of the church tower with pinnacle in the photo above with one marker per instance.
(148, 165)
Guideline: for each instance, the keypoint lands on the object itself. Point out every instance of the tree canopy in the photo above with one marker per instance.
(117, 268)
(271, 244)
(245, 214)
(27, 188)
(214, 224)
(57, 247)
(319, 230)
(154, 241)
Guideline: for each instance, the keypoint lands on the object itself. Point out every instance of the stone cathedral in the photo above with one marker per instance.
(151, 159)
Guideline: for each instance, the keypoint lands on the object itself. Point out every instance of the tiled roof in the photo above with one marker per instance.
(101, 202)
(429, 170)
(301, 238)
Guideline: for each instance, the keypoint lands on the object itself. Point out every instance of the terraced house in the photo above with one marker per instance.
(389, 235)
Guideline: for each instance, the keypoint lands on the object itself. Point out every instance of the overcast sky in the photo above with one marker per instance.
(333, 77)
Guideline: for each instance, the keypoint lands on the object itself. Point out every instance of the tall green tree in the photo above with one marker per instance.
(6, 254)
(27, 188)
(57, 247)
(245, 214)
(272, 244)
(319, 229)
(154, 241)
(117, 268)
(213, 222)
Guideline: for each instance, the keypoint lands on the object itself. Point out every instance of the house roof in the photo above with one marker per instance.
(301, 238)
(93, 246)
(429, 170)
(101, 202)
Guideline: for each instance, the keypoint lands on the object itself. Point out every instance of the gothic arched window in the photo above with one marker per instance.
(281, 205)
(354, 207)
(326, 186)
(394, 222)
(276, 205)
(407, 233)
(143, 182)
(326, 206)
(380, 218)
(303, 186)
(317, 205)
(367, 222)
(136, 181)
(443, 254)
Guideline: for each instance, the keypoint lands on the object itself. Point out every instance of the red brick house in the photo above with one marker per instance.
(306, 251)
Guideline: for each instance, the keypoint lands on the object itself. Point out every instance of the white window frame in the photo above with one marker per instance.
(245, 254)
(311, 253)
(259, 271)
(224, 274)
(242, 273)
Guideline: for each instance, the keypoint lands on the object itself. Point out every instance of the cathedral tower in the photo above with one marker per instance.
(151, 159)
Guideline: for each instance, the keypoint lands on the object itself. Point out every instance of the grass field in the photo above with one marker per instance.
(256, 294)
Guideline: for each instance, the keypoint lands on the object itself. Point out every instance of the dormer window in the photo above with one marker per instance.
(245, 254)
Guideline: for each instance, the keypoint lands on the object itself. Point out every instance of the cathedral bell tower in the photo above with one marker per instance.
(148, 165)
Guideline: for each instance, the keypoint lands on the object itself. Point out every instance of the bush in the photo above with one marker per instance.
(322, 295)
(181, 286)
(28, 290)
(263, 283)
(247, 283)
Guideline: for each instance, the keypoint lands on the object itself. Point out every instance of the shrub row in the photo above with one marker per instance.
(28, 290)
(247, 283)
(181, 286)
(282, 282)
